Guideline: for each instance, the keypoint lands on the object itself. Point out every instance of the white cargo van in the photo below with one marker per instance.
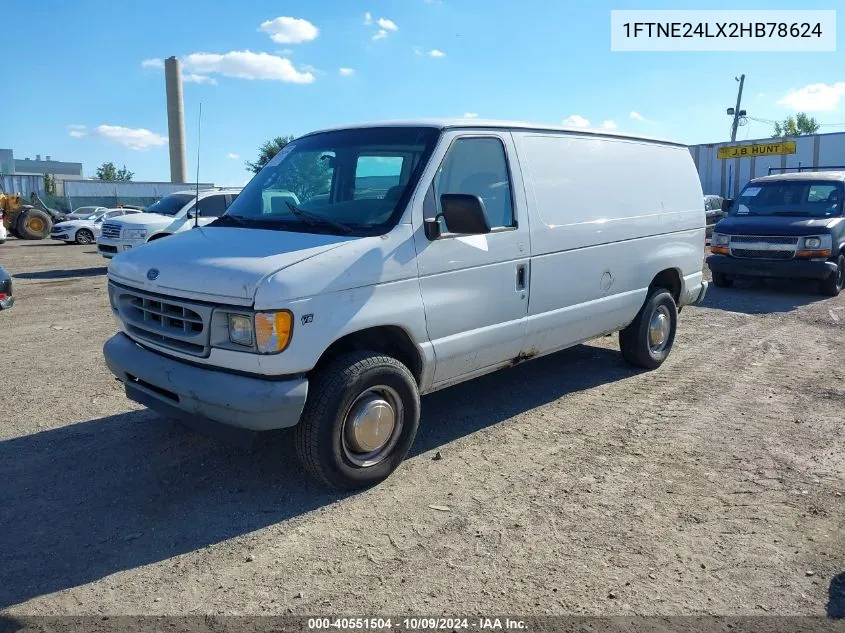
(364, 266)
(174, 213)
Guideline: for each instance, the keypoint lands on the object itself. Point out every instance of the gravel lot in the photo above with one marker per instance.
(570, 484)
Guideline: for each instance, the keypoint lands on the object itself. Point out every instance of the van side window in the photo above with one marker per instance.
(478, 166)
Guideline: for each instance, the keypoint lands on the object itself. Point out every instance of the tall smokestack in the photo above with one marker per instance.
(175, 120)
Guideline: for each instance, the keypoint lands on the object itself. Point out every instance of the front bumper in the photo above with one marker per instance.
(197, 394)
(64, 237)
(786, 269)
(108, 248)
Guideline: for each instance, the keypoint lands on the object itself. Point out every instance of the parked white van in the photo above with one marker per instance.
(364, 266)
(174, 213)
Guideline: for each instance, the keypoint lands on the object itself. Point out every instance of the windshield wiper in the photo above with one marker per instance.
(234, 219)
(313, 219)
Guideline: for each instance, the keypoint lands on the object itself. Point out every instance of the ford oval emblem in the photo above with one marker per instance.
(152, 274)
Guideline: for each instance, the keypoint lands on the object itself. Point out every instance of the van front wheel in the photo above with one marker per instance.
(647, 341)
(360, 420)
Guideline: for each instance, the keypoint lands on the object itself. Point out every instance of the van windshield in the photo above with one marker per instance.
(347, 181)
(800, 198)
(170, 205)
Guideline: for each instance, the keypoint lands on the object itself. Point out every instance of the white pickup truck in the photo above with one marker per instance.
(365, 266)
(174, 213)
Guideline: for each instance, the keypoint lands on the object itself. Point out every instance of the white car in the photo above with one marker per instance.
(86, 231)
(491, 243)
(3, 234)
(84, 212)
(174, 213)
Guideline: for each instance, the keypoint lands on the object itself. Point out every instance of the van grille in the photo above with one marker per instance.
(110, 230)
(176, 324)
(752, 254)
(768, 239)
(764, 246)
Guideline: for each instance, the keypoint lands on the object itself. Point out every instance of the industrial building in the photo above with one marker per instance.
(15, 171)
(725, 168)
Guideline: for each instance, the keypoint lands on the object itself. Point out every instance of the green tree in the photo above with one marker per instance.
(49, 184)
(107, 171)
(798, 125)
(267, 151)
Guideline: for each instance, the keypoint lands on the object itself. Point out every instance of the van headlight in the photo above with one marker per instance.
(134, 234)
(719, 239)
(240, 329)
(817, 242)
(264, 332)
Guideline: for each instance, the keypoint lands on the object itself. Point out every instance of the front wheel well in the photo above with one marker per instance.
(670, 279)
(387, 339)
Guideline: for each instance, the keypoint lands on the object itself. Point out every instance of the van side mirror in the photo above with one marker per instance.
(464, 214)
(726, 205)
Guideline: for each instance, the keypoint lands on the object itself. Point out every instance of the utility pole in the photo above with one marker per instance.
(736, 111)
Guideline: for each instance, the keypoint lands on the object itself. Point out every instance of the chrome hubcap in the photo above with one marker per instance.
(658, 329)
(372, 426)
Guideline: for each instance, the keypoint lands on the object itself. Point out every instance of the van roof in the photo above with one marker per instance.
(804, 175)
(469, 124)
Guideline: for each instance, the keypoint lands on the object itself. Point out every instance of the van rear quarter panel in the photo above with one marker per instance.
(607, 215)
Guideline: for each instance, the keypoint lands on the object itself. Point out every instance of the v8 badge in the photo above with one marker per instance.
(307, 318)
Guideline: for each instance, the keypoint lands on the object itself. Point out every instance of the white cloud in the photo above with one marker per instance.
(285, 51)
(761, 94)
(636, 116)
(347, 72)
(388, 25)
(436, 53)
(193, 78)
(233, 156)
(133, 138)
(609, 125)
(152, 63)
(815, 97)
(246, 65)
(576, 120)
(77, 131)
(470, 115)
(380, 35)
(418, 50)
(286, 30)
(368, 18)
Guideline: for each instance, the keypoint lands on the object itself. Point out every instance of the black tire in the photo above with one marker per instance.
(721, 280)
(833, 284)
(84, 236)
(634, 340)
(34, 224)
(320, 435)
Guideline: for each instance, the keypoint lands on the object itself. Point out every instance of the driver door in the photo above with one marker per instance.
(475, 288)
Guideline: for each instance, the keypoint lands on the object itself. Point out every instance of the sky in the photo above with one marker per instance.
(84, 80)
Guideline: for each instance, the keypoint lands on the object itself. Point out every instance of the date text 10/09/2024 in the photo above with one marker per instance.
(416, 624)
(722, 29)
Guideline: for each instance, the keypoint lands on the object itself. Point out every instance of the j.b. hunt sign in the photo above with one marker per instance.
(761, 149)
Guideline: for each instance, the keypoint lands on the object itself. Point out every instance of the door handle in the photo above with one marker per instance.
(520, 277)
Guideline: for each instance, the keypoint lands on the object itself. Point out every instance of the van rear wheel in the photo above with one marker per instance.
(647, 341)
(359, 422)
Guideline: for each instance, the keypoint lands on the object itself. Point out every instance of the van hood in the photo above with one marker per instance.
(217, 263)
(775, 225)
